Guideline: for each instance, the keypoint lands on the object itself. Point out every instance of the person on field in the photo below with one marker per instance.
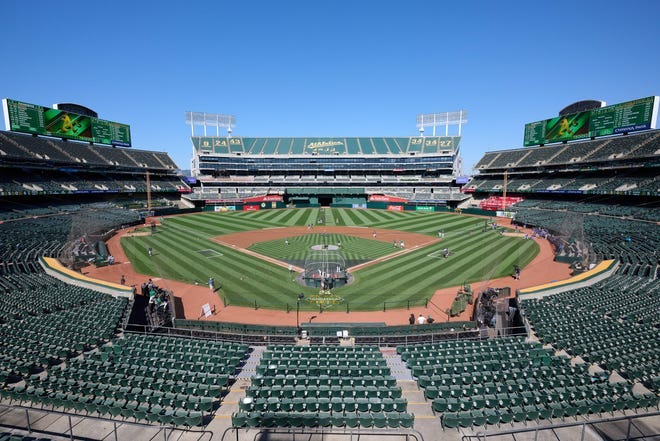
(411, 319)
(421, 320)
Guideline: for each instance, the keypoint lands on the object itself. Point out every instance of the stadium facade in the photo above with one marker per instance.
(337, 171)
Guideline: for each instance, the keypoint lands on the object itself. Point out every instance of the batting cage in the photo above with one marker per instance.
(325, 269)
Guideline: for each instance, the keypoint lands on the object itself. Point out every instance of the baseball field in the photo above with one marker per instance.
(250, 254)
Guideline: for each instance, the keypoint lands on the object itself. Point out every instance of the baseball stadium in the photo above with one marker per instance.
(330, 288)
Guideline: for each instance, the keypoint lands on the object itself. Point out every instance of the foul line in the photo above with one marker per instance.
(393, 255)
(260, 256)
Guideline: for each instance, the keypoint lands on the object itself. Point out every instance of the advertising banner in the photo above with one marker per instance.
(385, 198)
(266, 198)
(224, 208)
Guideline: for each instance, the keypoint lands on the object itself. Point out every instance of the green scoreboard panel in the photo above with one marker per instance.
(40, 120)
(625, 117)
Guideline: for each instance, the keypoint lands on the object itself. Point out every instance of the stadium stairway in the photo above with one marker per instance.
(397, 366)
(426, 421)
(249, 369)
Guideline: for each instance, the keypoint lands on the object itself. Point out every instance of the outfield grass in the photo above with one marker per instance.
(244, 280)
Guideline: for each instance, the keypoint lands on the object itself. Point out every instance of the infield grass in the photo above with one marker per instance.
(355, 250)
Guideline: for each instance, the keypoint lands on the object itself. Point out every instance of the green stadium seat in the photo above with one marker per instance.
(324, 419)
(180, 417)
(296, 419)
(492, 417)
(506, 417)
(407, 420)
(351, 419)
(310, 419)
(195, 419)
(450, 420)
(465, 419)
(268, 419)
(366, 419)
(324, 404)
(338, 419)
(253, 419)
(362, 404)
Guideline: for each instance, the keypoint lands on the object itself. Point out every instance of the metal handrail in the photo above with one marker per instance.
(357, 432)
(115, 423)
(379, 340)
(483, 436)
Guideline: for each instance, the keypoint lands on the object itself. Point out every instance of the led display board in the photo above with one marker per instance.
(40, 120)
(631, 116)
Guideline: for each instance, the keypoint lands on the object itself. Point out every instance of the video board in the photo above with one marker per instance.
(631, 116)
(40, 120)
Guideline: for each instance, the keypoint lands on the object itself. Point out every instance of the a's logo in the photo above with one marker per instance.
(325, 298)
(68, 125)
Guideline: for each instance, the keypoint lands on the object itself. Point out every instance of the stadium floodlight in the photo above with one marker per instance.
(446, 119)
(210, 120)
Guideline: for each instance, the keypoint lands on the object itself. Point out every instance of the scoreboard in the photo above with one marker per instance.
(625, 117)
(40, 120)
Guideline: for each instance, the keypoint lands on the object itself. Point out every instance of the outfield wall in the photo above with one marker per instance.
(358, 330)
(55, 269)
(602, 271)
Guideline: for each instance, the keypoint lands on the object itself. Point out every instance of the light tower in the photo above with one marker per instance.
(207, 120)
(446, 119)
(210, 120)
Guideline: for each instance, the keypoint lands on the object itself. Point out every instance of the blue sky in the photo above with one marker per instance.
(335, 68)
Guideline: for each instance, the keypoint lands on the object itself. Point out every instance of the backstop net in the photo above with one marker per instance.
(325, 269)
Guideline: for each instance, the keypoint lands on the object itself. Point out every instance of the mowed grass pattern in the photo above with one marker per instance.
(244, 280)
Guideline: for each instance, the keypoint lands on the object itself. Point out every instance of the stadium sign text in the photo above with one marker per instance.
(266, 198)
(385, 198)
(323, 144)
